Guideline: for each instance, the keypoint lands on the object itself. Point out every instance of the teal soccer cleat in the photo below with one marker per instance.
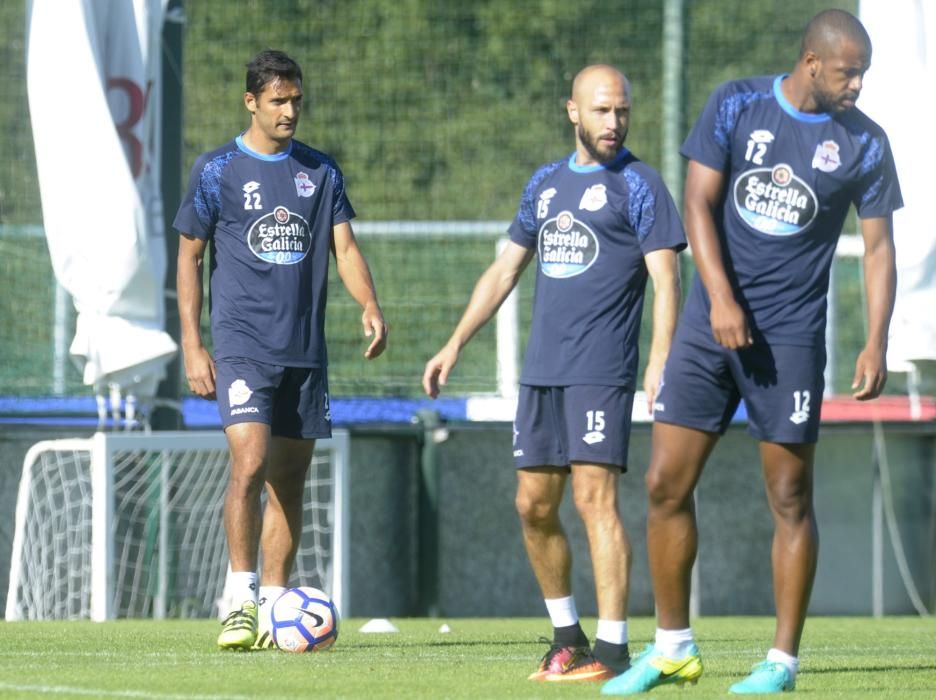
(651, 669)
(766, 677)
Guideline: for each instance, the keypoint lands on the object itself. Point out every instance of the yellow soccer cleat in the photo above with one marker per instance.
(264, 641)
(239, 629)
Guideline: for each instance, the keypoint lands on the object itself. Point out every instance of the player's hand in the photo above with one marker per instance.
(870, 374)
(374, 325)
(199, 371)
(652, 378)
(729, 324)
(437, 370)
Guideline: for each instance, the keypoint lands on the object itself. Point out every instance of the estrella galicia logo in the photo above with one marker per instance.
(281, 237)
(775, 201)
(566, 246)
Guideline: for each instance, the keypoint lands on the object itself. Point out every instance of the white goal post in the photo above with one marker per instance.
(130, 525)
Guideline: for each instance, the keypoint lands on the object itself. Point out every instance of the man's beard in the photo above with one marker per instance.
(592, 146)
(829, 104)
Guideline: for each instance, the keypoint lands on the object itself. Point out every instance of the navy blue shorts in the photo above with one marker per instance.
(293, 401)
(557, 425)
(781, 386)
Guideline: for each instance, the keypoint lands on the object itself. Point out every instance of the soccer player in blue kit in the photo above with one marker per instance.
(599, 221)
(774, 164)
(271, 208)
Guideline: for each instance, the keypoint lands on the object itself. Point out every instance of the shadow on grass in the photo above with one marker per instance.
(871, 668)
(446, 643)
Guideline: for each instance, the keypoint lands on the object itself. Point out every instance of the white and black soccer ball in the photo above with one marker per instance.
(304, 619)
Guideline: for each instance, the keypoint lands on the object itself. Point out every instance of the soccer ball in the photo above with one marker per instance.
(304, 619)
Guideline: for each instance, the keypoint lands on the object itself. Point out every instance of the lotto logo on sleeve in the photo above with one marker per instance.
(775, 201)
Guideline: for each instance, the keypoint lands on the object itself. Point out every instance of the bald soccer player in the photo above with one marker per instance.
(774, 164)
(599, 221)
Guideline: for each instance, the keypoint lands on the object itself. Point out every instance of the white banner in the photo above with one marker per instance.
(898, 94)
(93, 69)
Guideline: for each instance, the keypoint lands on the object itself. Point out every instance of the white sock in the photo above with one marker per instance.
(612, 631)
(562, 611)
(243, 587)
(268, 594)
(674, 643)
(781, 657)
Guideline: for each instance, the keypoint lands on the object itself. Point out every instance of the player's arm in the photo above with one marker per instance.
(664, 273)
(880, 273)
(489, 293)
(199, 367)
(701, 198)
(356, 277)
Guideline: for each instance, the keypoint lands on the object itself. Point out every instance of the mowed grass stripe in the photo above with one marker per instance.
(98, 692)
(479, 658)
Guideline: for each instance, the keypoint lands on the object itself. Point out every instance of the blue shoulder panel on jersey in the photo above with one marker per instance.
(527, 212)
(208, 193)
(641, 203)
(303, 153)
(728, 112)
(873, 189)
(873, 155)
(875, 149)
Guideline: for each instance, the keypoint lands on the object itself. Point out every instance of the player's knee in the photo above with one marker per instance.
(286, 479)
(246, 483)
(791, 500)
(665, 492)
(594, 503)
(534, 511)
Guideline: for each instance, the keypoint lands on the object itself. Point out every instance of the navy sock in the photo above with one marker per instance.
(571, 636)
(614, 656)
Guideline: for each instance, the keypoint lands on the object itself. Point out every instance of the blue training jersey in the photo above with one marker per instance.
(790, 177)
(591, 227)
(269, 220)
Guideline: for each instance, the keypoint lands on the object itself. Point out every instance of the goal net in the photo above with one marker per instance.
(130, 525)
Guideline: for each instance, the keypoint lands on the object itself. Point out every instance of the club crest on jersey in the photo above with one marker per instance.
(775, 201)
(542, 206)
(827, 157)
(304, 186)
(594, 198)
(281, 237)
(566, 247)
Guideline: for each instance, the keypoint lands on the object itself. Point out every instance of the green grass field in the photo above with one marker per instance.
(841, 658)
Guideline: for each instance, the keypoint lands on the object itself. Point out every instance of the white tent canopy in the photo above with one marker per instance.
(93, 87)
(898, 94)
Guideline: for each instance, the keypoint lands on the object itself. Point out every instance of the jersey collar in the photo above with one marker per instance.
(244, 148)
(576, 168)
(793, 111)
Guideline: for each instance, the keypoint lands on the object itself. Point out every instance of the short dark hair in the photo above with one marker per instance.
(831, 26)
(267, 66)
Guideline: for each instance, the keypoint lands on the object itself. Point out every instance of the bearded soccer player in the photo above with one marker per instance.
(775, 162)
(271, 208)
(599, 221)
